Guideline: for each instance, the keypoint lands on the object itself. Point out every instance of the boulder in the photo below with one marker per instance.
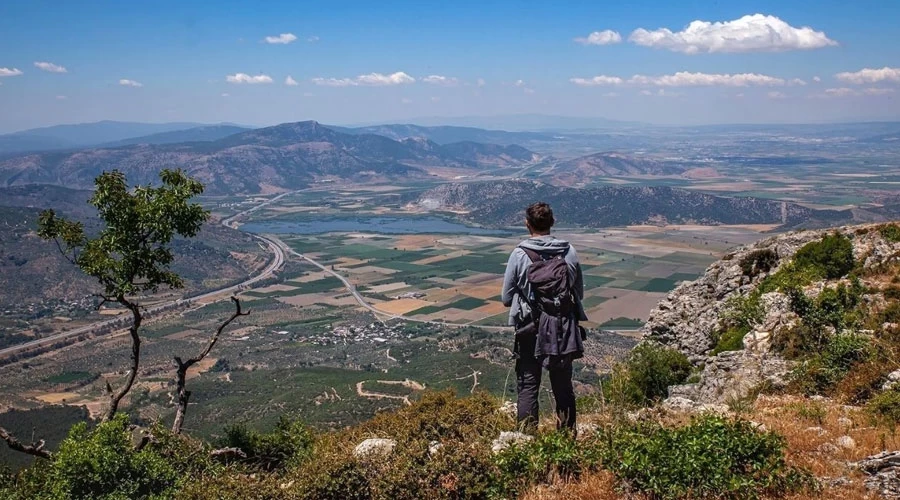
(883, 473)
(507, 439)
(374, 447)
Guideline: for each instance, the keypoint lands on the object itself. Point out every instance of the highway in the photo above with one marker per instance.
(276, 263)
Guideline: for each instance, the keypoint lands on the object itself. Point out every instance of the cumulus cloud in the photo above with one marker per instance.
(245, 78)
(289, 81)
(371, 79)
(776, 95)
(10, 72)
(130, 83)
(600, 80)
(797, 81)
(446, 81)
(817, 79)
(282, 39)
(684, 79)
(605, 37)
(751, 33)
(870, 75)
(50, 67)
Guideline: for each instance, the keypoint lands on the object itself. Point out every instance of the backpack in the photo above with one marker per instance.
(554, 334)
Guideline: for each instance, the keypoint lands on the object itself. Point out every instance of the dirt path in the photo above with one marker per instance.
(410, 384)
(474, 376)
(388, 354)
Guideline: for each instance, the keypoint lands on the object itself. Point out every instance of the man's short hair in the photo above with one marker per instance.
(539, 216)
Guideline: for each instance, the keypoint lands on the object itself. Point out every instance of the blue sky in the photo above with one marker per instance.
(361, 62)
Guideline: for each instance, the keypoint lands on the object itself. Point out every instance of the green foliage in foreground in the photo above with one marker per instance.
(832, 256)
(711, 458)
(443, 450)
(890, 232)
(646, 375)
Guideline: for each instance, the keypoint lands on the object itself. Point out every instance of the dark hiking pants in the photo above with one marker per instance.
(528, 385)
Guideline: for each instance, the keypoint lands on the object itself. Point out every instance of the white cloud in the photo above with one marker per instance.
(371, 79)
(446, 81)
(50, 67)
(817, 79)
(684, 79)
(312, 39)
(878, 91)
(605, 37)
(598, 81)
(226, 94)
(869, 75)
(130, 83)
(10, 72)
(519, 83)
(646, 92)
(751, 33)
(776, 95)
(840, 92)
(480, 82)
(282, 39)
(378, 79)
(797, 81)
(334, 82)
(528, 90)
(245, 78)
(290, 81)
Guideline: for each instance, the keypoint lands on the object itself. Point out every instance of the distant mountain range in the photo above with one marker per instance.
(502, 203)
(445, 134)
(286, 156)
(84, 134)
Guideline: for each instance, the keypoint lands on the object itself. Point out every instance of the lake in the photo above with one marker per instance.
(377, 224)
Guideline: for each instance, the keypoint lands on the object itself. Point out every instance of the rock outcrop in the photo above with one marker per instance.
(691, 316)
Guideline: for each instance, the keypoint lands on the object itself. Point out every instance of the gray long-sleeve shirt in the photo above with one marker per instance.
(515, 282)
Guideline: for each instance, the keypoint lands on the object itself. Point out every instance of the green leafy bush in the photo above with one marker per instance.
(549, 458)
(100, 464)
(758, 262)
(731, 339)
(837, 308)
(646, 375)
(885, 407)
(710, 458)
(890, 232)
(828, 366)
(273, 450)
(831, 257)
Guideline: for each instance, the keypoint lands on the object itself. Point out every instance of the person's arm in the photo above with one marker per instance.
(579, 277)
(510, 279)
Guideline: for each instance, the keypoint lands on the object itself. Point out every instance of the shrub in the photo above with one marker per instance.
(758, 262)
(711, 457)
(885, 407)
(100, 464)
(731, 339)
(831, 257)
(646, 375)
(272, 450)
(890, 232)
(826, 368)
(551, 457)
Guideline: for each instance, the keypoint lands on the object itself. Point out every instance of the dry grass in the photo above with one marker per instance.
(599, 486)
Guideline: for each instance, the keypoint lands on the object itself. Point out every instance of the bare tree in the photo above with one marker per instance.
(181, 393)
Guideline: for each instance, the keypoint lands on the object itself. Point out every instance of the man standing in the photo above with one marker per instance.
(543, 287)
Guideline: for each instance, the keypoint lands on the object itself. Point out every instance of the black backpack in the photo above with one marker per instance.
(551, 283)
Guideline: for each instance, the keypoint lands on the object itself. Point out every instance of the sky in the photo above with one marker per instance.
(352, 62)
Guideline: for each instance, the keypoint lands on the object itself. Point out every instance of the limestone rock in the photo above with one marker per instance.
(892, 380)
(883, 471)
(508, 439)
(374, 447)
(846, 442)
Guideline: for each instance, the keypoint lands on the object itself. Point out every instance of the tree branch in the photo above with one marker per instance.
(116, 397)
(182, 394)
(227, 453)
(34, 449)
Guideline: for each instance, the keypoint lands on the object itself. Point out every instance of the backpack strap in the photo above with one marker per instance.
(532, 255)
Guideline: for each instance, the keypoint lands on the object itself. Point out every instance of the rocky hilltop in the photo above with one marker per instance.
(500, 203)
(766, 312)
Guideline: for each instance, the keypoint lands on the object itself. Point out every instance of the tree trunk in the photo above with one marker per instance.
(116, 397)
